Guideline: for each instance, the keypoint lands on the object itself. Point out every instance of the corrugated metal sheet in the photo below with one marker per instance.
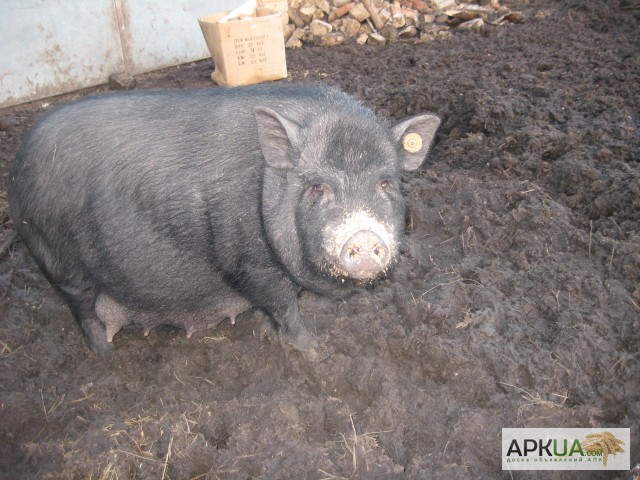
(48, 47)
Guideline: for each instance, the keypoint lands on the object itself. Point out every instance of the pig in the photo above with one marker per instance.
(187, 207)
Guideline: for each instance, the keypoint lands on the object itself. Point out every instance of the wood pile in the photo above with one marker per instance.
(335, 22)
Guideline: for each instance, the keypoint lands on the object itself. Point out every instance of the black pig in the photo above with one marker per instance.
(187, 207)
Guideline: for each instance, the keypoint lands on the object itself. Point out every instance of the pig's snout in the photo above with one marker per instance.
(364, 255)
(360, 246)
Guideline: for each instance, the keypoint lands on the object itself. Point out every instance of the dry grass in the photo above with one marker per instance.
(457, 280)
(537, 400)
(214, 339)
(355, 448)
(142, 446)
(109, 473)
(166, 459)
(6, 351)
(469, 240)
(56, 403)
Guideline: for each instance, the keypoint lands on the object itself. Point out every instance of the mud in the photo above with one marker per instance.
(516, 300)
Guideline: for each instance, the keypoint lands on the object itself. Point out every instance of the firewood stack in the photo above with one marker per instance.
(335, 22)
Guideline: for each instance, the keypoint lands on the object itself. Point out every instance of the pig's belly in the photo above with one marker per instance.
(114, 315)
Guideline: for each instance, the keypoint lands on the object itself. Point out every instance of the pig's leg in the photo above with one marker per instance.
(291, 329)
(269, 289)
(280, 301)
(76, 290)
(67, 276)
(81, 303)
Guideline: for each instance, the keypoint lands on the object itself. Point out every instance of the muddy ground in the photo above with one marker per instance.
(516, 301)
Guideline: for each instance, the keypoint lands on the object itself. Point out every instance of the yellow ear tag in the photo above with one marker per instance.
(412, 142)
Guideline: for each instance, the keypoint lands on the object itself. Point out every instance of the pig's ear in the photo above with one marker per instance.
(416, 134)
(276, 135)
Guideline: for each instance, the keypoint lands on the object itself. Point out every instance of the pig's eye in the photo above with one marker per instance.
(385, 185)
(318, 189)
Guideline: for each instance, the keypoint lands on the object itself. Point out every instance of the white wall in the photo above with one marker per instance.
(48, 47)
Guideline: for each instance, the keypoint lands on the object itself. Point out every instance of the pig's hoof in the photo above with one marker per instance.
(96, 336)
(99, 347)
(305, 343)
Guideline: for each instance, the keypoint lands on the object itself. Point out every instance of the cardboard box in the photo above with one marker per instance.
(247, 45)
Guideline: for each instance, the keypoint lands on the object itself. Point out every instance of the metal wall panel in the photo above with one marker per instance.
(161, 33)
(48, 47)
